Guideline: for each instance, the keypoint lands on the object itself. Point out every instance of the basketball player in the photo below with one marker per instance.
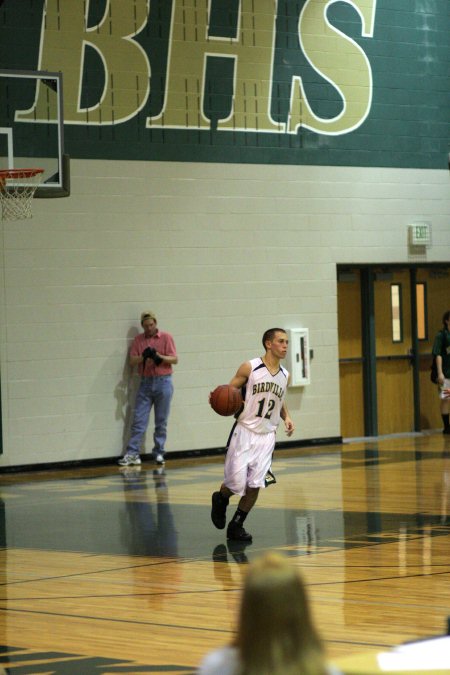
(252, 440)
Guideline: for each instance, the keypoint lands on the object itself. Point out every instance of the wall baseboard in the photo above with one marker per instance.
(206, 452)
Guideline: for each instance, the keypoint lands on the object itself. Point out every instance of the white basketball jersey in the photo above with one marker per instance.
(263, 398)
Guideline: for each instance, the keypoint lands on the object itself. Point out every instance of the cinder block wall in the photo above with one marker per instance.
(225, 158)
(220, 252)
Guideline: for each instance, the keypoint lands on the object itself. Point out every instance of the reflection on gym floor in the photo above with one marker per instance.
(120, 570)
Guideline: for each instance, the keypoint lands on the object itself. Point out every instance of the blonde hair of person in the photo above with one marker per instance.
(275, 634)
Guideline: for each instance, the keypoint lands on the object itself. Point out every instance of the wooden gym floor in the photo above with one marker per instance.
(112, 570)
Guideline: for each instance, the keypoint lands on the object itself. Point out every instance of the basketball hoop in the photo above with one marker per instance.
(17, 187)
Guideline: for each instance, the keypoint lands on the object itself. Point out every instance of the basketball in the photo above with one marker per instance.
(225, 400)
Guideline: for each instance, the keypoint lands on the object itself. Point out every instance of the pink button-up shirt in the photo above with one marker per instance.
(164, 345)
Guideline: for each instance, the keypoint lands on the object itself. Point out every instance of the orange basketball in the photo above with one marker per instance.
(225, 400)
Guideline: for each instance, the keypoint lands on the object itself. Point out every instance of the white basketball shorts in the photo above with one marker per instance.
(248, 459)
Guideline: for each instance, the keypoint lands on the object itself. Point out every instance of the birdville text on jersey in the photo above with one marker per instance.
(268, 386)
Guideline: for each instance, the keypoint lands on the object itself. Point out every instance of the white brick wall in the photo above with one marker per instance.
(220, 252)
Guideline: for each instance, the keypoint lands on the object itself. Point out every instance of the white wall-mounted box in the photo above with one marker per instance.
(298, 357)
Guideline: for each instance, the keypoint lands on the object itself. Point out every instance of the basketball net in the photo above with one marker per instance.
(17, 188)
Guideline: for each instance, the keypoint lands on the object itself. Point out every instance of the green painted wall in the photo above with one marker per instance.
(362, 83)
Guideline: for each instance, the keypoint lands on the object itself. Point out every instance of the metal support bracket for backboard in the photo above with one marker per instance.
(43, 192)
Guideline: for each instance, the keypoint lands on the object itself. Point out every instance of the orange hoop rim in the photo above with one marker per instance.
(19, 173)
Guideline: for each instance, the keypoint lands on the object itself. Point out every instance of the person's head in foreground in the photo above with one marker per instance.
(275, 634)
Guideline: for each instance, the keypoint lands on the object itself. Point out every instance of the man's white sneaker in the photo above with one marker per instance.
(159, 459)
(129, 460)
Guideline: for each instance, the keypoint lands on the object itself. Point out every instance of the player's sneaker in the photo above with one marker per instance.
(159, 459)
(269, 479)
(219, 510)
(128, 460)
(237, 533)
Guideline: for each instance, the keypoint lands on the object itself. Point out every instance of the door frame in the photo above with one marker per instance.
(367, 273)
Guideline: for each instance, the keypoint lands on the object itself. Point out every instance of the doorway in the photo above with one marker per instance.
(387, 320)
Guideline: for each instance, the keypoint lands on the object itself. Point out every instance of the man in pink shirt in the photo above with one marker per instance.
(154, 353)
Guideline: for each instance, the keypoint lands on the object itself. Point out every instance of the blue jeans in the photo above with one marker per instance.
(157, 392)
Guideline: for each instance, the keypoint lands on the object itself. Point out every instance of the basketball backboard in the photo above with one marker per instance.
(32, 127)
